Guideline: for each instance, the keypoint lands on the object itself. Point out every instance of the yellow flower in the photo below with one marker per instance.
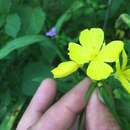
(94, 51)
(64, 69)
(123, 72)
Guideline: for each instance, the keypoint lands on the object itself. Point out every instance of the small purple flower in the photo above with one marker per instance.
(52, 32)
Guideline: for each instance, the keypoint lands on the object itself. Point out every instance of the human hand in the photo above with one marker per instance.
(41, 115)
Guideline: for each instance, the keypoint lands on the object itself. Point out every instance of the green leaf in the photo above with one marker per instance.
(9, 119)
(13, 24)
(127, 46)
(66, 84)
(5, 100)
(115, 6)
(49, 47)
(37, 20)
(33, 74)
(123, 108)
(123, 20)
(33, 19)
(2, 20)
(68, 14)
(19, 43)
(5, 6)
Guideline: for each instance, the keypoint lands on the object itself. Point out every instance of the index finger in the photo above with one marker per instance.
(40, 102)
(62, 114)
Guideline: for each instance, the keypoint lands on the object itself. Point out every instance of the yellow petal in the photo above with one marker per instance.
(64, 69)
(127, 74)
(125, 83)
(111, 52)
(98, 70)
(92, 38)
(80, 54)
(125, 59)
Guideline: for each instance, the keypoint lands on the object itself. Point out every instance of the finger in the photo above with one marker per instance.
(98, 116)
(40, 102)
(62, 114)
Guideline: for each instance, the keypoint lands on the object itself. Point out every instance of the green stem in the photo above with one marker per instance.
(81, 120)
(68, 14)
(90, 90)
(58, 51)
(87, 96)
(107, 14)
(60, 54)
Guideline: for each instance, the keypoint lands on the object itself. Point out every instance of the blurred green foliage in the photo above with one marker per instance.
(27, 54)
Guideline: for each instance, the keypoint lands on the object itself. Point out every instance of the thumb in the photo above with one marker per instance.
(98, 116)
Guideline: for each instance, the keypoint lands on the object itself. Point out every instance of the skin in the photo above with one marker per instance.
(41, 115)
